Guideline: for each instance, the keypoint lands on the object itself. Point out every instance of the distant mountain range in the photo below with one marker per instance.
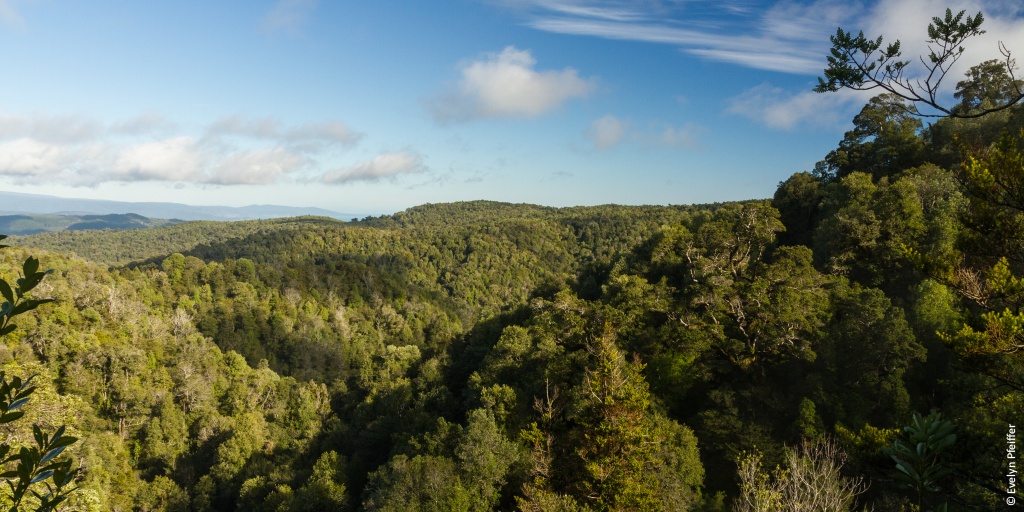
(33, 223)
(13, 203)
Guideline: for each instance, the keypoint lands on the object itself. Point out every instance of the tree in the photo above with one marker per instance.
(797, 200)
(918, 460)
(424, 483)
(756, 305)
(812, 482)
(865, 225)
(538, 494)
(618, 447)
(484, 456)
(324, 490)
(987, 267)
(863, 357)
(988, 85)
(883, 142)
(855, 65)
(37, 463)
(16, 301)
(471, 480)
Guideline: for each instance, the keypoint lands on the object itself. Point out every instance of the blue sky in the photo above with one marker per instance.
(373, 107)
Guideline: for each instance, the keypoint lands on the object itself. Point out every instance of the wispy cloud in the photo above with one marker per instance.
(776, 108)
(288, 16)
(685, 137)
(385, 166)
(507, 85)
(608, 12)
(311, 137)
(756, 52)
(606, 132)
(78, 150)
(610, 131)
(787, 36)
(907, 20)
(9, 15)
(178, 159)
(143, 124)
(66, 128)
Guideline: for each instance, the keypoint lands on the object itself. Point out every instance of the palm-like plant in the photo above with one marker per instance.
(918, 460)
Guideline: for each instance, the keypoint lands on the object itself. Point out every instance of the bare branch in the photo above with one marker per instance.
(853, 64)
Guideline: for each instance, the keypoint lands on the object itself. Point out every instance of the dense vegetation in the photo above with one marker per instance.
(112, 247)
(477, 356)
(30, 224)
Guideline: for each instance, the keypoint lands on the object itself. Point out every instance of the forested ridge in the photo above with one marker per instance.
(29, 224)
(115, 247)
(492, 356)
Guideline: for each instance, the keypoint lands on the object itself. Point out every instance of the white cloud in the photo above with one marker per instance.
(260, 128)
(621, 10)
(907, 20)
(27, 158)
(775, 108)
(330, 132)
(259, 167)
(143, 124)
(71, 128)
(686, 137)
(760, 52)
(176, 159)
(606, 132)
(310, 137)
(388, 165)
(506, 85)
(612, 12)
(610, 131)
(790, 37)
(181, 159)
(77, 150)
(788, 20)
(288, 16)
(787, 36)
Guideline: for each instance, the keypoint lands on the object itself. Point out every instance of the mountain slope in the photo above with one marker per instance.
(600, 230)
(14, 202)
(43, 223)
(119, 247)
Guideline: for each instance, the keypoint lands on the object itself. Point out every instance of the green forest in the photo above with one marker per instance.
(30, 224)
(852, 343)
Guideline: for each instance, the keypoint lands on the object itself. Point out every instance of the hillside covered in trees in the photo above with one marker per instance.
(490, 356)
(30, 224)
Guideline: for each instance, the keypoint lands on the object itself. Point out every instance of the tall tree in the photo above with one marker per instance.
(883, 142)
(987, 267)
(859, 63)
(617, 442)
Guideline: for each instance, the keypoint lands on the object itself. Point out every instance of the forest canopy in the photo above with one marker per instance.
(492, 356)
